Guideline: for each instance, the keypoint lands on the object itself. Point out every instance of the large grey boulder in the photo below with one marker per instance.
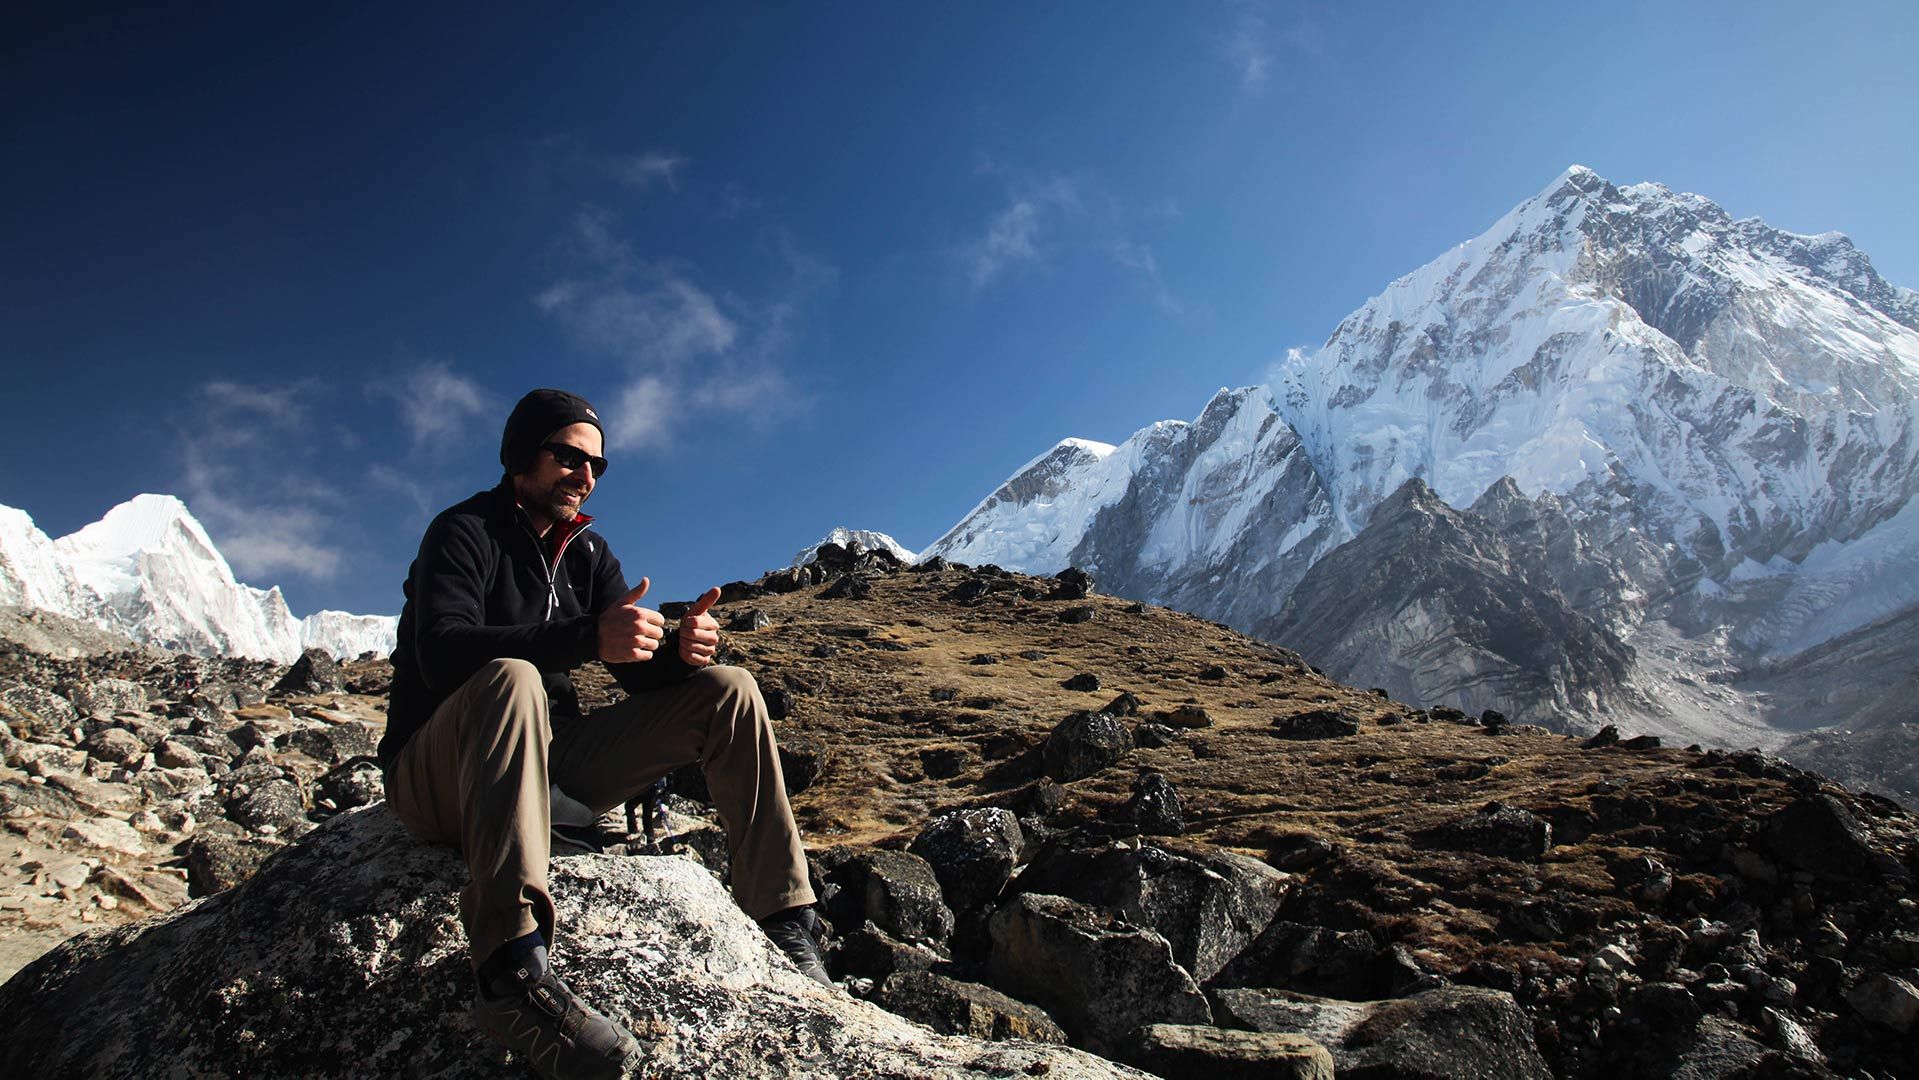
(1451, 1031)
(1209, 905)
(953, 1007)
(972, 853)
(1099, 976)
(1083, 744)
(344, 956)
(896, 890)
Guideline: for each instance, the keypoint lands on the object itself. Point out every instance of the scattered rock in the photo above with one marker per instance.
(104, 697)
(1207, 905)
(315, 672)
(745, 622)
(848, 587)
(115, 745)
(895, 890)
(1214, 673)
(1188, 716)
(952, 1007)
(1126, 704)
(943, 762)
(1100, 977)
(1345, 964)
(1152, 736)
(1887, 1000)
(217, 862)
(1083, 744)
(108, 834)
(1084, 682)
(802, 759)
(1817, 833)
(1450, 1031)
(34, 712)
(1074, 615)
(1071, 583)
(1155, 806)
(1316, 724)
(972, 853)
(1497, 829)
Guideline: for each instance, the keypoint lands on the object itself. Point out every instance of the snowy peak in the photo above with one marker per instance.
(147, 569)
(1035, 517)
(1730, 379)
(855, 540)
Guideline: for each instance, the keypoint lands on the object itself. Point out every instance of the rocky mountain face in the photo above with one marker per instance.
(1700, 432)
(149, 571)
(857, 539)
(1457, 608)
(1037, 815)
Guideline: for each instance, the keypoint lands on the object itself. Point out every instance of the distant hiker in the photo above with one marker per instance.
(509, 593)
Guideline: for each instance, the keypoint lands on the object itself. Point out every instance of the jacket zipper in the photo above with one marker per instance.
(552, 587)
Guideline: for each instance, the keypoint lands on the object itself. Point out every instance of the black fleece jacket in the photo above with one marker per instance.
(482, 589)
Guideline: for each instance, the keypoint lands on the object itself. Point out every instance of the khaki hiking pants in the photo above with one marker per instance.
(477, 774)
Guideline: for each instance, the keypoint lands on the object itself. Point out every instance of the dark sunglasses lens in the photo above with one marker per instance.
(571, 457)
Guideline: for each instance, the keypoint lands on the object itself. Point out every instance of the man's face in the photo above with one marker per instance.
(550, 493)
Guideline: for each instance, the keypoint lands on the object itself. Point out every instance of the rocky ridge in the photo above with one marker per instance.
(1029, 803)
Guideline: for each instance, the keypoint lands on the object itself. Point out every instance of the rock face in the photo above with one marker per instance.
(1433, 604)
(344, 955)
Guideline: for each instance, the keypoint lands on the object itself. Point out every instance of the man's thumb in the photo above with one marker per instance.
(707, 599)
(633, 595)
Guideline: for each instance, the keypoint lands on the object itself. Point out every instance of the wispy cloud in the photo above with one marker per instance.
(437, 404)
(1262, 34)
(680, 345)
(1049, 216)
(241, 476)
(641, 171)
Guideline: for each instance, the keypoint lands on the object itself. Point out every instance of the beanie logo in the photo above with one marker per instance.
(592, 414)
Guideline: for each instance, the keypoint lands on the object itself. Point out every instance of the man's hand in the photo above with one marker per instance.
(700, 632)
(629, 632)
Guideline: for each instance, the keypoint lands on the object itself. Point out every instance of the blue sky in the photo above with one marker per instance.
(817, 264)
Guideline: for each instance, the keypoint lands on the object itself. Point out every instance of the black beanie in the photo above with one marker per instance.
(534, 420)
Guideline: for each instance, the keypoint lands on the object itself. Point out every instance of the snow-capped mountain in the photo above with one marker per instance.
(148, 570)
(1706, 430)
(855, 539)
(348, 636)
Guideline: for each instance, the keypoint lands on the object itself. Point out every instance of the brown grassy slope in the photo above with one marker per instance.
(878, 681)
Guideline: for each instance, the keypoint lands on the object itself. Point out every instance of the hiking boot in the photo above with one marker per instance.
(546, 1023)
(797, 932)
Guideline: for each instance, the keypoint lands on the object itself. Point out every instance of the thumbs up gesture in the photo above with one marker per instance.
(700, 632)
(629, 632)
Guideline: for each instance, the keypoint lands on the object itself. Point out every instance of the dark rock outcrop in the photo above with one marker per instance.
(1083, 744)
(972, 853)
(1100, 977)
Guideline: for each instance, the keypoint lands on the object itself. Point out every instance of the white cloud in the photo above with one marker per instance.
(677, 343)
(243, 477)
(1050, 216)
(1020, 230)
(1250, 54)
(641, 171)
(1255, 45)
(436, 404)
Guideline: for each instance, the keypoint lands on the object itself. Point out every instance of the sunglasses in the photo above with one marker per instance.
(572, 457)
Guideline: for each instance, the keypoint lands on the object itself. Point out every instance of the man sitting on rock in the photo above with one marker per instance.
(510, 592)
